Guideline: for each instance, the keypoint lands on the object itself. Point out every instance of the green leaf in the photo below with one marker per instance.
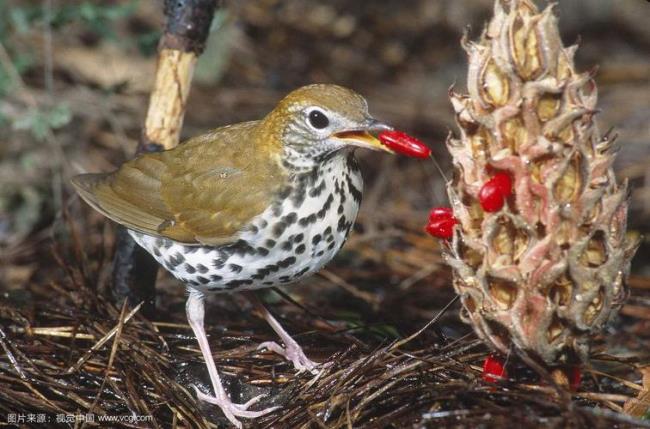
(121, 10)
(89, 11)
(39, 128)
(59, 116)
(20, 19)
(39, 122)
(25, 122)
(23, 61)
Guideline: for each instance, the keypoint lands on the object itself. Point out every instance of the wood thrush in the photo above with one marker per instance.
(247, 206)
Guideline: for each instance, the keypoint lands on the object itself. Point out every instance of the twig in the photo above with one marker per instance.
(425, 327)
(597, 396)
(101, 342)
(369, 298)
(419, 275)
(10, 355)
(111, 357)
(619, 417)
(55, 331)
(618, 379)
(47, 48)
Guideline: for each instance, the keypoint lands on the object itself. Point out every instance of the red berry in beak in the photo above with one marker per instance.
(441, 223)
(494, 369)
(494, 192)
(404, 144)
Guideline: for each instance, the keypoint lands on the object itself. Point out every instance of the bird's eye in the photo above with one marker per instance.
(318, 120)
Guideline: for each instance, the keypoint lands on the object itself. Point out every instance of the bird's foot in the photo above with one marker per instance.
(293, 353)
(232, 410)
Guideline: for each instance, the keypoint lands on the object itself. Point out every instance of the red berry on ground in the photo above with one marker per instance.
(404, 144)
(494, 192)
(494, 369)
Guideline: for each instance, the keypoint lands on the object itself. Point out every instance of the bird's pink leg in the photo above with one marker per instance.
(291, 350)
(195, 314)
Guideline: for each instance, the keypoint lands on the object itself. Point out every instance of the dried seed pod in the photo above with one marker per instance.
(547, 270)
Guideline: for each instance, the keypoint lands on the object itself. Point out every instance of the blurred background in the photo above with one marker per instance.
(75, 76)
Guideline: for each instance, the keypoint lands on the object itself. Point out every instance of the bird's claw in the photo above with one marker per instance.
(232, 410)
(293, 353)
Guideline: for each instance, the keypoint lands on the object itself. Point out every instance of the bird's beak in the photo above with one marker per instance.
(365, 136)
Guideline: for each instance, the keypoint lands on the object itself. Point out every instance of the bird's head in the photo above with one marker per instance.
(317, 120)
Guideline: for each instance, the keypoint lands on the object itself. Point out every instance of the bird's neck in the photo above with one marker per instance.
(296, 161)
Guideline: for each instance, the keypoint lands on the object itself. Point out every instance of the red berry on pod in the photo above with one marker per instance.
(404, 144)
(491, 198)
(503, 182)
(441, 228)
(440, 212)
(494, 369)
(441, 223)
(494, 192)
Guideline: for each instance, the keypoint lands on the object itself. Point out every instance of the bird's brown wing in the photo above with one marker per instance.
(202, 192)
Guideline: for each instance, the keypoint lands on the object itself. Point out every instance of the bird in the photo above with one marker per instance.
(247, 206)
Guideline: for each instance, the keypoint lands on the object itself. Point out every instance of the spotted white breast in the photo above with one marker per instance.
(296, 236)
